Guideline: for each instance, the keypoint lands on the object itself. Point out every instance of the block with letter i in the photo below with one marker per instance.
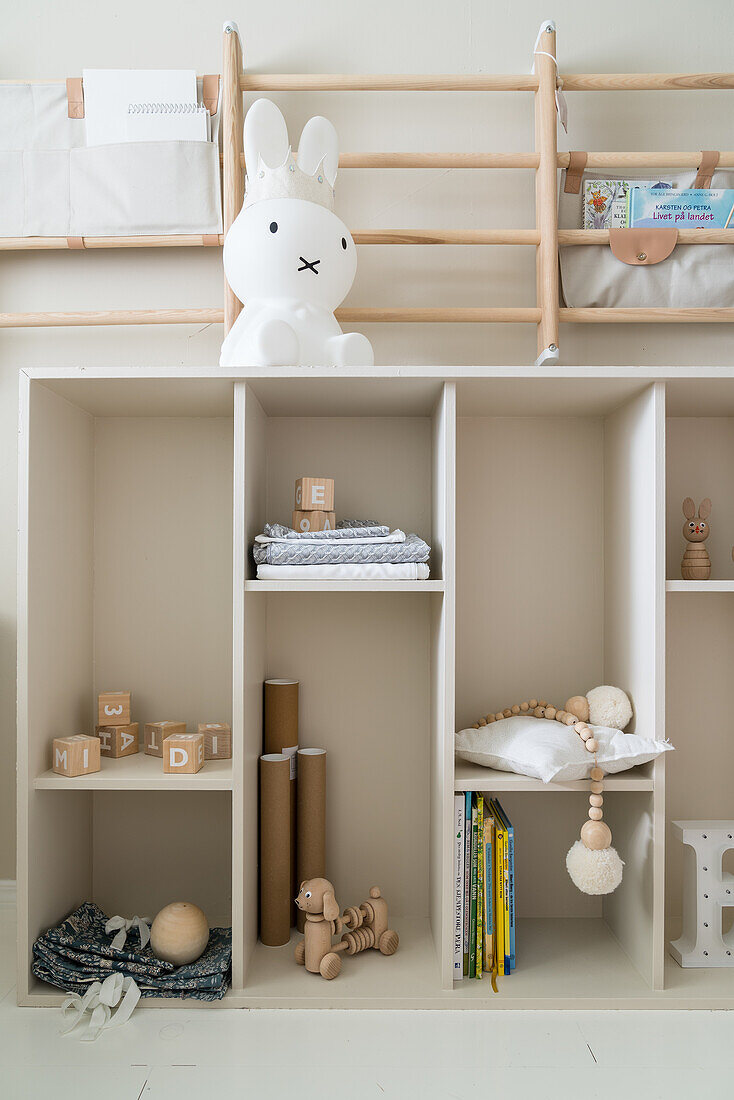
(113, 708)
(315, 494)
(118, 741)
(155, 734)
(217, 740)
(76, 755)
(183, 753)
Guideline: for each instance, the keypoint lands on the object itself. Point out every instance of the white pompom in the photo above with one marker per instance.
(594, 872)
(609, 706)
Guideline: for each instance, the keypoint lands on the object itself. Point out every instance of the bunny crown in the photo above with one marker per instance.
(278, 174)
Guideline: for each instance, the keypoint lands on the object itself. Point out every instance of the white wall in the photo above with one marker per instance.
(46, 39)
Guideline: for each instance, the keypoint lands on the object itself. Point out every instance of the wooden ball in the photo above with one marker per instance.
(524, 706)
(568, 719)
(596, 800)
(592, 744)
(579, 705)
(331, 964)
(550, 713)
(595, 813)
(498, 716)
(490, 718)
(516, 709)
(539, 712)
(533, 704)
(389, 942)
(596, 835)
(586, 735)
(507, 713)
(482, 721)
(560, 715)
(596, 787)
(542, 703)
(179, 933)
(596, 774)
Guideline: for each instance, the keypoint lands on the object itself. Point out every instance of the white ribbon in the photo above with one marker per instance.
(99, 1000)
(561, 105)
(123, 926)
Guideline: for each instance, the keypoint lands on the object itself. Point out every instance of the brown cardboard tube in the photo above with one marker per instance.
(311, 853)
(275, 844)
(280, 734)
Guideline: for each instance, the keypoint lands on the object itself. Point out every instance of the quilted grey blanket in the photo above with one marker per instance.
(329, 552)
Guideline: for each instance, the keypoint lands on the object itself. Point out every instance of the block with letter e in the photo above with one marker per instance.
(117, 741)
(315, 494)
(113, 708)
(183, 753)
(76, 755)
(217, 740)
(155, 734)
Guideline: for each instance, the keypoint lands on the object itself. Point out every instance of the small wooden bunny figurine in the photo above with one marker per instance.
(696, 564)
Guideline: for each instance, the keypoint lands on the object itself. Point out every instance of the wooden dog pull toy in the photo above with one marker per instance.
(367, 927)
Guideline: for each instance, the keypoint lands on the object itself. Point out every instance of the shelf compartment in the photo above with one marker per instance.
(474, 777)
(140, 773)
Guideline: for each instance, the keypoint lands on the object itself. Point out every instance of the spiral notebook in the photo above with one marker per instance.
(124, 105)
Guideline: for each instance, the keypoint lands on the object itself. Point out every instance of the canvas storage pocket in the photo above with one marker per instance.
(669, 274)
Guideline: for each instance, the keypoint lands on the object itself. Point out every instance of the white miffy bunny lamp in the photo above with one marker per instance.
(287, 256)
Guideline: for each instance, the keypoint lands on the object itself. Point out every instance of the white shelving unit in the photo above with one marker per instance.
(544, 500)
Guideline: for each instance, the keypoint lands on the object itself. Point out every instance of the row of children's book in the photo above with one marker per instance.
(484, 887)
(652, 204)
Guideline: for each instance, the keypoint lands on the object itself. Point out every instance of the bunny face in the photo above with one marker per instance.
(696, 527)
(290, 248)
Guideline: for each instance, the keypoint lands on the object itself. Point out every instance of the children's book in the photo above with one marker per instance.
(504, 884)
(480, 886)
(701, 208)
(473, 915)
(458, 886)
(510, 833)
(499, 907)
(489, 891)
(467, 879)
(605, 201)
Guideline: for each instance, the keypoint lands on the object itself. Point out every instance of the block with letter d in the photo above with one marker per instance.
(155, 734)
(117, 741)
(217, 740)
(113, 708)
(315, 494)
(76, 755)
(313, 521)
(183, 753)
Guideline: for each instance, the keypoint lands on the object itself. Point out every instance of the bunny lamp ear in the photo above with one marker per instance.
(319, 145)
(704, 509)
(265, 136)
(689, 508)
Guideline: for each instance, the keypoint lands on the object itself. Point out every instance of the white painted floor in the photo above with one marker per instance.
(177, 1055)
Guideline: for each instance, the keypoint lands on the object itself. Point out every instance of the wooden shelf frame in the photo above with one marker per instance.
(545, 160)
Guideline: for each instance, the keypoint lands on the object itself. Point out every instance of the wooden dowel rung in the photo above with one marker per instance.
(437, 315)
(645, 160)
(685, 236)
(113, 317)
(582, 316)
(181, 240)
(447, 236)
(386, 82)
(435, 160)
(645, 82)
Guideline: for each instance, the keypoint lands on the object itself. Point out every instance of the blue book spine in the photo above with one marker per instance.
(511, 834)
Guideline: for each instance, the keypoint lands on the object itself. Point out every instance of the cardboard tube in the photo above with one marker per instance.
(275, 844)
(311, 853)
(280, 734)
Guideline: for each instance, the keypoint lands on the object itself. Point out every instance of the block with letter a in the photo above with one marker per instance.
(76, 755)
(313, 521)
(315, 494)
(217, 740)
(155, 734)
(183, 753)
(113, 708)
(117, 741)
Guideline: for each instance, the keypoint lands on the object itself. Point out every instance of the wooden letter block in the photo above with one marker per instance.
(183, 753)
(114, 708)
(217, 740)
(117, 741)
(156, 732)
(315, 494)
(77, 755)
(313, 521)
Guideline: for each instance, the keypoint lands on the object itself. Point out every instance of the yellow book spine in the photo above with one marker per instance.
(500, 943)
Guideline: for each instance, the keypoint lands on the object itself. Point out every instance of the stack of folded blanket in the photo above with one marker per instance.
(354, 550)
(79, 952)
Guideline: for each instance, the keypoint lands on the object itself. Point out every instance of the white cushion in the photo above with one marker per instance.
(550, 751)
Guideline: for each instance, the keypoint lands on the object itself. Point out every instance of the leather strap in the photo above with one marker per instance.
(210, 92)
(642, 247)
(75, 242)
(75, 97)
(709, 161)
(574, 172)
(210, 240)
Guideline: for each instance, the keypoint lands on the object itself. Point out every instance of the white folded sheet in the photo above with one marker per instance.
(370, 571)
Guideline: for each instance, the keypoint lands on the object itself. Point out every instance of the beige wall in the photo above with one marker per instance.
(56, 40)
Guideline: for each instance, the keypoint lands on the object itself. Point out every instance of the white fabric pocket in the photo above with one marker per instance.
(550, 751)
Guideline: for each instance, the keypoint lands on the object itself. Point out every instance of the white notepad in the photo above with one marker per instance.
(166, 105)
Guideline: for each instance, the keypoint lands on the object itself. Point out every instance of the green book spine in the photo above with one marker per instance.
(480, 886)
(473, 917)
